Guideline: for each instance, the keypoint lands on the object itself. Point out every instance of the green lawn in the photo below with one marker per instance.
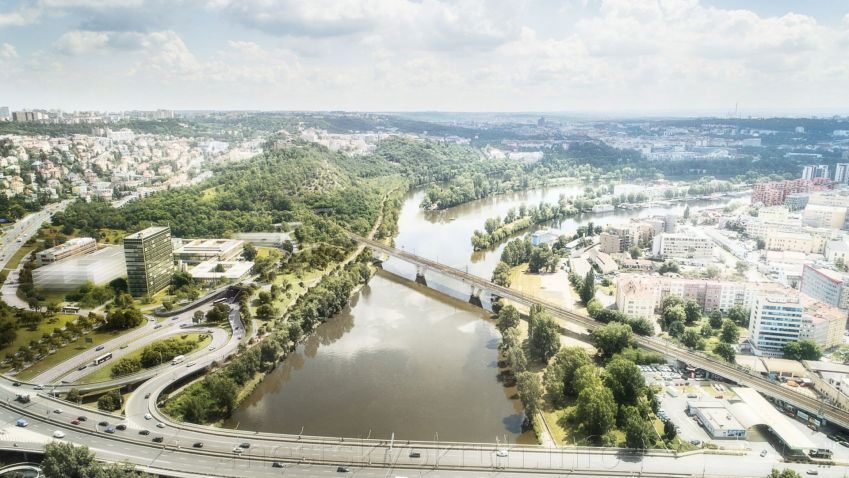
(25, 335)
(105, 373)
(69, 351)
(16, 258)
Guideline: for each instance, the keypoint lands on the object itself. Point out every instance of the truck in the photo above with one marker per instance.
(22, 398)
(178, 359)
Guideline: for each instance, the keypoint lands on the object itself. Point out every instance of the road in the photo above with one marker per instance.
(695, 359)
(20, 232)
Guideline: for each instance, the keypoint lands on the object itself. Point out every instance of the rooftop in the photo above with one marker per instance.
(756, 410)
(145, 233)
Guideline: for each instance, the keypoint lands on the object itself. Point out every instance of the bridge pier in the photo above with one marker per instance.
(420, 275)
(475, 297)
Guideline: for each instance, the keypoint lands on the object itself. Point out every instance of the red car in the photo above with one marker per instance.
(75, 422)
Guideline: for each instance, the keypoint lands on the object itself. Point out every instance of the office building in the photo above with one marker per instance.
(778, 319)
(149, 260)
(199, 250)
(74, 247)
(682, 246)
(826, 285)
(99, 267)
(5, 115)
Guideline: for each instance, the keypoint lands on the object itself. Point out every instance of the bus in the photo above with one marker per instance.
(820, 453)
(178, 359)
(219, 301)
(102, 358)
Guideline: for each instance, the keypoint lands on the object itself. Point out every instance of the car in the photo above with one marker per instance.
(277, 464)
(21, 423)
(16, 384)
(75, 422)
(763, 453)
(211, 348)
(104, 423)
(58, 434)
(121, 427)
(148, 416)
(82, 418)
(244, 445)
(238, 450)
(144, 432)
(99, 348)
(185, 326)
(695, 442)
(58, 411)
(157, 326)
(82, 367)
(124, 346)
(160, 425)
(415, 454)
(147, 395)
(38, 387)
(501, 453)
(157, 439)
(110, 430)
(342, 469)
(191, 364)
(175, 317)
(812, 472)
(198, 444)
(692, 395)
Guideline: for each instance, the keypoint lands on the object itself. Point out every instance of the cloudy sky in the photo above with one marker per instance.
(653, 56)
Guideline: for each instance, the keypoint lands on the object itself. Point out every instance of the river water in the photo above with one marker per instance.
(403, 358)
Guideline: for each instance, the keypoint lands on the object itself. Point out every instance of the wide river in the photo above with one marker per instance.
(403, 358)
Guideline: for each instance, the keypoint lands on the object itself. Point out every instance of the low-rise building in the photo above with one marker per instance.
(99, 267)
(716, 419)
(214, 271)
(196, 251)
(71, 248)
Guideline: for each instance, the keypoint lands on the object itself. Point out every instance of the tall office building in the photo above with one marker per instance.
(149, 262)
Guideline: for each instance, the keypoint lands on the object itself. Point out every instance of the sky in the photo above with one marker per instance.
(589, 56)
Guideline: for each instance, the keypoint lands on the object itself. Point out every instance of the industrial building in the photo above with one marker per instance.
(716, 419)
(196, 251)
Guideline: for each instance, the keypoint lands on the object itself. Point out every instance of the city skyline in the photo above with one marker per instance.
(708, 57)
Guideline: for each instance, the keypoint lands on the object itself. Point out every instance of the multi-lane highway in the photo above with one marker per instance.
(17, 234)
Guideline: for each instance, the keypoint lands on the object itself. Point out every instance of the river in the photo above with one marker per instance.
(403, 358)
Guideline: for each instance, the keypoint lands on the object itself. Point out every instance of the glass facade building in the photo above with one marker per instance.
(149, 262)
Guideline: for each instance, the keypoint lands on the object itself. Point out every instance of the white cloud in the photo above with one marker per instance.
(82, 42)
(7, 52)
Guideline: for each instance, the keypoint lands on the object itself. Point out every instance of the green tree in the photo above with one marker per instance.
(785, 473)
(218, 313)
(64, 460)
(544, 339)
(635, 252)
(669, 431)
(73, 395)
(529, 387)
(676, 329)
(560, 374)
(715, 319)
(625, 380)
(739, 315)
(508, 317)
(110, 401)
(639, 432)
(674, 313)
(501, 274)
(669, 266)
(691, 338)
(249, 252)
(587, 291)
(802, 350)
(641, 326)
(730, 333)
(693, 312)
(197, 317)
(611, 339)
(595, 410)
(586, 376)
(594, 307)
(725, 351)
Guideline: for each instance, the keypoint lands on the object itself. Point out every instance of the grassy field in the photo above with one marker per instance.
(25, 335)
(105, 373)
(16, 258)
(69, 351)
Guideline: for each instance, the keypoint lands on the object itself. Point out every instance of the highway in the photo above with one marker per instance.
(723, 369)
(23, 230)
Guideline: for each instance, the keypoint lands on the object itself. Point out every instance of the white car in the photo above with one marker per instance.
(191, 364)
(211, 348)
(160, 425)
(238, 450)
(148, 416)
(58, 434)
(501, 453)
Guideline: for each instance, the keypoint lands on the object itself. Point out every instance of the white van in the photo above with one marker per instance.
(178, 359)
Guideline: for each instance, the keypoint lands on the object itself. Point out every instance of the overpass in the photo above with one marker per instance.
(732, 372)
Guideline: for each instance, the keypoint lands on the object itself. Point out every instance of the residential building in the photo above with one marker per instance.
(149, 260)
(636, 297)
(99, 267)
(814, 171)
(818, 215)
(775, 192)
(196, 251)
(826, 285)
(841, 173)
(837, 249)
(73, 247)
(682, 246)
(610, 243)
(796, 202)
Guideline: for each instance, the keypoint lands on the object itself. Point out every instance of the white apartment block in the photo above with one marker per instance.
(776, 320)
(682, 246)
(825, 285)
